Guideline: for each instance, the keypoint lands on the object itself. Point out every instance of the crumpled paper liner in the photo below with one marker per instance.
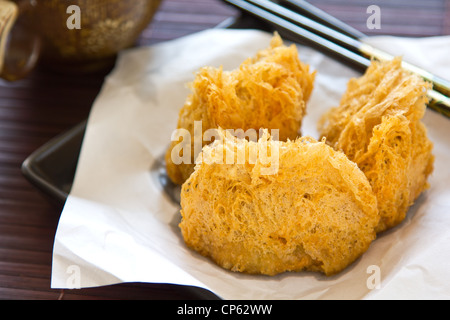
(120, 222)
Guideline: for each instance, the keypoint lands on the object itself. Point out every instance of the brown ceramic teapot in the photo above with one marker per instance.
(74, 36)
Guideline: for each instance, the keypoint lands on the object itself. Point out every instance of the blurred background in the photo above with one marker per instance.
(409, 18)
(44, 104)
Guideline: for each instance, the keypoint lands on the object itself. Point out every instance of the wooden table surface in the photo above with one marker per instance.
(43, 105)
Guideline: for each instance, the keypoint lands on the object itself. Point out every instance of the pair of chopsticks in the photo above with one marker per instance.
(302, 22)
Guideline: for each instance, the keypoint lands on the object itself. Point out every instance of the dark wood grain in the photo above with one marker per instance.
(45, 104)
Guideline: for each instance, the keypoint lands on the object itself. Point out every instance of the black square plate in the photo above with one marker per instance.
(52, 167)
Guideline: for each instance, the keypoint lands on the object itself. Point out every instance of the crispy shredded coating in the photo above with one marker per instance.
(378, 126)
(316, 212)
(269, 90)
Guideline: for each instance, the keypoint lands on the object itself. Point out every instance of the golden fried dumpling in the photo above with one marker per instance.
(378, 126)
(308, 208)
(269, 90)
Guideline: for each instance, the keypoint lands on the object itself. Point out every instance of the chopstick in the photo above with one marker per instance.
(353, 44)
(438, 101)
(308, 24)
(346, 48)
(314, 13)
(296, 32)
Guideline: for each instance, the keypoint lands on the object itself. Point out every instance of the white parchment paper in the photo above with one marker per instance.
(120, 224)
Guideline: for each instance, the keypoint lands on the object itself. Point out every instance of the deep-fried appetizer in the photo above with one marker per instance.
(316, 211)
(378, 126)
(269, 90)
